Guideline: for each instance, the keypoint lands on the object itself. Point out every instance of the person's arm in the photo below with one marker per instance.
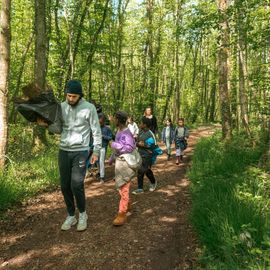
(41, 122)
(172, 131)
(155, 126)
(186, 133)
(148, 144)
(163, 135)
(124, 145)
(136, 129)
(55, 128)
(96, 133)
(175, 134)
(108, 135)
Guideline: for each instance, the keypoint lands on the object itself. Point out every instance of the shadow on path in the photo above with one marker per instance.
(157, 235)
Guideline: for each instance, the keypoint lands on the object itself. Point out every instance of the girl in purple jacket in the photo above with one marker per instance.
(124, 143)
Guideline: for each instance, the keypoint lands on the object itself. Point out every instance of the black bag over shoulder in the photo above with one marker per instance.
(44, 106)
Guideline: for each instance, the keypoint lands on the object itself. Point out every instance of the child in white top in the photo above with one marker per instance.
(133, 127)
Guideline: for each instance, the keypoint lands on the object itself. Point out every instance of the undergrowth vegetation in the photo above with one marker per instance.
(27, 173)
(231, 206)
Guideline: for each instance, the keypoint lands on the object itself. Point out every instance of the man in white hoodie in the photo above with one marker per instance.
(79, 121)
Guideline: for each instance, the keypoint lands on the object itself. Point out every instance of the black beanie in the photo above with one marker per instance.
(74, 87)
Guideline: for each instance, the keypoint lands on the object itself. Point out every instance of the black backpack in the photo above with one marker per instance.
(44, 106)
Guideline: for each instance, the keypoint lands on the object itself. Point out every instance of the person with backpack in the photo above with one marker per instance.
(181, 135)
(123, 145)
(167, 136)
(147, 147)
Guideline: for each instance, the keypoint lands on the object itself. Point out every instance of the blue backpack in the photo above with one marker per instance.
(156, 151)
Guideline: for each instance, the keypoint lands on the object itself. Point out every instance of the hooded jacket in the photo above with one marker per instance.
(79, 122)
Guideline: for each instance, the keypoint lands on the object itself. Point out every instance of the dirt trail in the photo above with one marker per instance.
(157, 235)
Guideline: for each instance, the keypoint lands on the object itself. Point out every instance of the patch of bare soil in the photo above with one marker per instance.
(157, 235)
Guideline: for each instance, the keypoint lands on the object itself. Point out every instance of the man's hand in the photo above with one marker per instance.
(94, 159)
(42, 122)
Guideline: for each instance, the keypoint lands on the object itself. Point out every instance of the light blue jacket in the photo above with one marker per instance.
(79, 122)
(163, 135)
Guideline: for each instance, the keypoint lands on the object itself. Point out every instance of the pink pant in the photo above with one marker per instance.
(124, 193)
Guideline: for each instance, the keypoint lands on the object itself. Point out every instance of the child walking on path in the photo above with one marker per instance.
(106, 137)
(180, 137)
(168, 136)
(124, 143)
(133, 127)
(146, 143)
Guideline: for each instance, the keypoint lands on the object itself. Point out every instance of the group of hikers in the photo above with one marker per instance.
(134, 151)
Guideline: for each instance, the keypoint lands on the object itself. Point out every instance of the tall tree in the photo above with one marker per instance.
(40, 43)
(39, 136)
(177, 64)
(242, 65)
(223, 69)
(149, 52)
(4, 76)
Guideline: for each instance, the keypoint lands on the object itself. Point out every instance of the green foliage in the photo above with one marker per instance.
(20, 141)
(125, 54)
(23, 179)
(26, 173)
(231, 204)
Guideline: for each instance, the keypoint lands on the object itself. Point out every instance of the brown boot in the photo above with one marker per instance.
(177, 160)
(120, 219)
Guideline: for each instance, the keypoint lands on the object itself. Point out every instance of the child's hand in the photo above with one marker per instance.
(110, 143)
(111, 159)
(93, 159)
(140, 144)
(110, 162)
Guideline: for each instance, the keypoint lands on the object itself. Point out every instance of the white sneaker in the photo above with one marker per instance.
(82, 224)
(153, 186)
(137, 191)
(70, 221)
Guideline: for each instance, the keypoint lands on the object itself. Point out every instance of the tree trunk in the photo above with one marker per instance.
(223, 70)
(168, 97)
(177, 84)
(73, 51)
(39, 134)
(242, 68)
(150, 52)
(4, 76)
(213, 93)
(40, 43)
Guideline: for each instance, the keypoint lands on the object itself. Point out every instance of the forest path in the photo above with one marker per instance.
(157, 235)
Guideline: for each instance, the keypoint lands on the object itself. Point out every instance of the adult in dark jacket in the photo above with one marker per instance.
(153, 120)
